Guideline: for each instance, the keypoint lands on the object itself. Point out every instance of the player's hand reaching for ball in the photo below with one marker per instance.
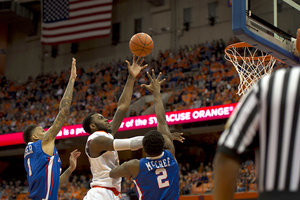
(154, 86)
(136, 66)
(178, 136)
(73, 159)
(73, 69)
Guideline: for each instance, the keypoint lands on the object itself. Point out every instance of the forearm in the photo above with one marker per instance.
(65, 176)
(160, 115)
(132, 144)
(159, 108)
(225, 177)
(126, 95)
(67, 98)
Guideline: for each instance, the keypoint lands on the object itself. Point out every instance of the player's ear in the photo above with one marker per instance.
(34, 137)
(93, 126)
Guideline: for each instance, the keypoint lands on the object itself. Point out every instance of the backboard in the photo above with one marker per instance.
(269, 25)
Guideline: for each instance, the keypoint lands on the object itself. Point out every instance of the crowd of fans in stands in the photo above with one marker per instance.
(198, 75)
(192, 182)
(196, 181)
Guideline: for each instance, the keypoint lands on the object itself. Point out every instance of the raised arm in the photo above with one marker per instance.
(64, 108)
(73, 162)
(162, 125)
(125, 98)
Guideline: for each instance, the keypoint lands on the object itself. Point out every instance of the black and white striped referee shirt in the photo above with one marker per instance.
(268, 120)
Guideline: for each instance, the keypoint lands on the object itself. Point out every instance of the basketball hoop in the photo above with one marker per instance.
(250, 63)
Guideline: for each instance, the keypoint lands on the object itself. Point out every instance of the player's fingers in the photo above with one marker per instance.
(138, 59)
(74, 151)
(146, 87)
(149, 76)
(77, 154)
(159, 75)
(144, 66)
(162, 81)
(134, 57)
(142, 61)
(73, 62)
(128, 64)
(153, 74)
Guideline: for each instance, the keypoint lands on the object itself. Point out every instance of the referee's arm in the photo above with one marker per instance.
(239, 133)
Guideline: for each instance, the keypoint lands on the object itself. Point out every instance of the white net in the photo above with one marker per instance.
(250, 63)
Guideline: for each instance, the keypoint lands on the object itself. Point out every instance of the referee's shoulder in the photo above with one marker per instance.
(282, 71)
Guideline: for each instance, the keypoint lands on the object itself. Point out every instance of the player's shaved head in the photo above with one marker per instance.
(27, 133)
(153, 143)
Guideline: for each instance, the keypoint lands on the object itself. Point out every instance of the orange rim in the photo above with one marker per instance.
(241, 45)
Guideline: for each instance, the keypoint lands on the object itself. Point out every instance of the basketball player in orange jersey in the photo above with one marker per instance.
(101, 147)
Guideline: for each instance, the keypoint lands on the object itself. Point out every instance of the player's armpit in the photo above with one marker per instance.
(130, 168)
(225, 176)
(100, 144)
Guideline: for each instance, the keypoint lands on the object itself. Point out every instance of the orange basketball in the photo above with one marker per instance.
(141, 44)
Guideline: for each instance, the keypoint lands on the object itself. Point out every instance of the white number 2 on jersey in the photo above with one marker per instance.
(29, 167)
(161, 177)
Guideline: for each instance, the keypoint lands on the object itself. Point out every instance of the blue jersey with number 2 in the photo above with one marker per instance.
(158, 178)
(43, 172)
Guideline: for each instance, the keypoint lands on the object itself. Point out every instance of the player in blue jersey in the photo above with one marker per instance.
(156, 176)
(41, 160)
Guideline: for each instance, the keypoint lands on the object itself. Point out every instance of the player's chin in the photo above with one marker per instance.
(109, 130)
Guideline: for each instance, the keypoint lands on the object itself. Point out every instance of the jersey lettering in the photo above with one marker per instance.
(158, 164)
(29, 167)
(28, 150)
(161, 177)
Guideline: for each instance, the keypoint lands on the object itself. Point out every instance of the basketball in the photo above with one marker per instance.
(141, 44)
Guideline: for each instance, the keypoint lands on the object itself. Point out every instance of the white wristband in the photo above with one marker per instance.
(133, 144)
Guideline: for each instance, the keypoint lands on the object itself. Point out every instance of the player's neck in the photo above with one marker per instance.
(149, 156)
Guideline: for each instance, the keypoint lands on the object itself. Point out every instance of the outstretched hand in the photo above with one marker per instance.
(73, 69)
(73, 159)
(178, 136)
(154, 82)
(136, 66)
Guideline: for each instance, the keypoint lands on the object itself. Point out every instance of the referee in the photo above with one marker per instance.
(268, 121)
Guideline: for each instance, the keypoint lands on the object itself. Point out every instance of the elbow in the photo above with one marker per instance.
(123, 107)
